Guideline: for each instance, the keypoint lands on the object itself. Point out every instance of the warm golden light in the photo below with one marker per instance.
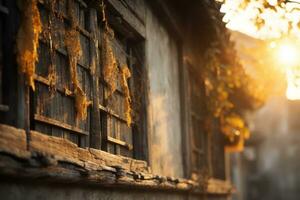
(273, 45)
(268, 20)
(288, 55)
(293, 84)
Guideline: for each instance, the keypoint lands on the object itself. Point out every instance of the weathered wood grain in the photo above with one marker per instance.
(57, 159)
(13, 141)
(129, 17)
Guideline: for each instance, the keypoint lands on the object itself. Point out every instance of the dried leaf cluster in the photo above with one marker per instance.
(112, 70)
(73, 46)
(125, 75)
(27, 40)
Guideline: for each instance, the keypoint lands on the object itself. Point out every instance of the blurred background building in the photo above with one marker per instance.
(267, 169)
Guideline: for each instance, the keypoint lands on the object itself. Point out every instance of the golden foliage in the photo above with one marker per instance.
(27, 40)
(264, 18)
(230, 91)
(233, 125)
(238, 146)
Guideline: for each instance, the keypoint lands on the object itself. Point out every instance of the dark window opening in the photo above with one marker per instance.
(199, 137)
(4, 11)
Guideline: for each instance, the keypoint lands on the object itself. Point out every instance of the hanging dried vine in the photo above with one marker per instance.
(73, 46)
(125, 74)
(111, 70)
(27, 40)
(51, 32)
(110, 65)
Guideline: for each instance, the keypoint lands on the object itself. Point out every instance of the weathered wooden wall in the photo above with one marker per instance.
(163, 121)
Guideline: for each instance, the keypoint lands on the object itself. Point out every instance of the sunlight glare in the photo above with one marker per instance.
(288, 55)
(293, 87)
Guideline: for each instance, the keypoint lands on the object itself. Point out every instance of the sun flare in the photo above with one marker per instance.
(289, 58)
(288, 55)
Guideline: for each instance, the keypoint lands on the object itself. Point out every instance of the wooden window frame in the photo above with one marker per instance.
(4, 12)
(126, 27)
(96, 136)
(189, 147)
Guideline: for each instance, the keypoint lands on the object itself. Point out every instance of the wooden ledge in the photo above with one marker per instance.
(56, 159)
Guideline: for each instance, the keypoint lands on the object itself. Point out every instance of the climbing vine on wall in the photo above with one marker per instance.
(230, 91)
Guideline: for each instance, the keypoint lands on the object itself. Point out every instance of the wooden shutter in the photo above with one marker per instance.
(53, 103)
(118, 137)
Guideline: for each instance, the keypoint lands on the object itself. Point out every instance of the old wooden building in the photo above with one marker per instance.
(106, 100)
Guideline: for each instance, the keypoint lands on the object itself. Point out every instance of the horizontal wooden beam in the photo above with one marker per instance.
(46, 82)
(4, 10)
(112, 113)
(59, 124)
(47, 153)
(120, 142)
(4, 108)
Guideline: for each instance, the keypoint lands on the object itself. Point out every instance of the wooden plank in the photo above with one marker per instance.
(119, 142)
(216, 186)
(13, 141)
(112, 113)
(60, 124)
(4, 108)
(46, 82)
(27, 112)
(184, 110)
(129, 17)
(1, 59)
(65, 149)
(95, 137)
(138, 89)
(137, 7)
(4, 10)
(64, 16)
(66, 161)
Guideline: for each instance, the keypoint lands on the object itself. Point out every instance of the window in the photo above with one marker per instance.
(3, 13)
(54, 103)
(128, 49)
(207, 146)
(217, 151)
(198, 135)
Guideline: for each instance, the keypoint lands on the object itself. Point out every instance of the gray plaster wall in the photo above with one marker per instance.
(164, 123)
